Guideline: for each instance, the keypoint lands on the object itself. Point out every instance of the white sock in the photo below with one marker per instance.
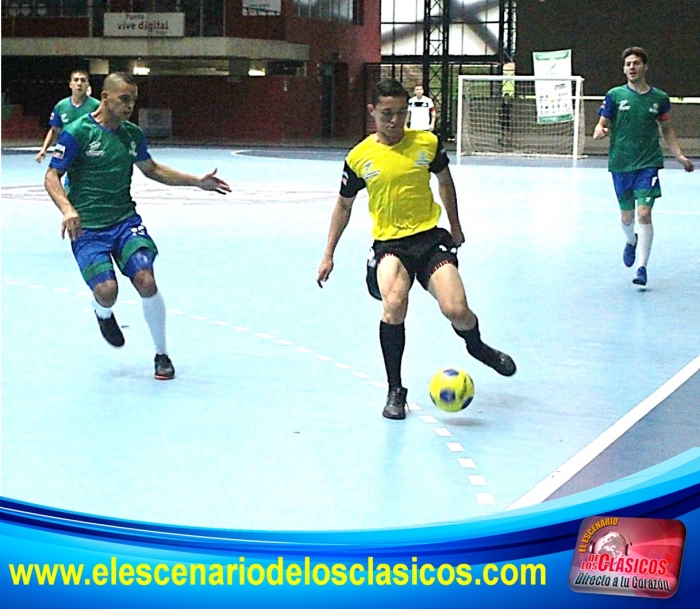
(154, 314)
(628, 229)
(646, 237)
(102, 312)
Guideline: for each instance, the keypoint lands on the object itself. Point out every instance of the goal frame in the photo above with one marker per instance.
(577, 103)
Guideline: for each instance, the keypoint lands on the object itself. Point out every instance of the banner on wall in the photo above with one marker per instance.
(262, 8)
(136, 25)
(553, 97)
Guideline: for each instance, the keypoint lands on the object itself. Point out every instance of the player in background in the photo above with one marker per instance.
(69, 109)
(395, 166)
(98, 151)
(507, 99)
(421, 111)
(633, 114)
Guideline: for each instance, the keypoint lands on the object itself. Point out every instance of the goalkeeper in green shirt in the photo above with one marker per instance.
(632, 115)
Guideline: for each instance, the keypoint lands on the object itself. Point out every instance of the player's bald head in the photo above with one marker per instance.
(118, 99)
(116, 80)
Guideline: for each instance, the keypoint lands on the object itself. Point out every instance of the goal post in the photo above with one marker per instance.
(538, 116)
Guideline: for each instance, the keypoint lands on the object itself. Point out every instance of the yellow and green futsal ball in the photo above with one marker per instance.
(451, 389)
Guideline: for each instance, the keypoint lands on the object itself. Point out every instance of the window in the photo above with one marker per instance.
(344, 11)
(474, 27)
(45, 8)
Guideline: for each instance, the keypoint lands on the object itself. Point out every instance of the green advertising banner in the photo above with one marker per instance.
(554, 100)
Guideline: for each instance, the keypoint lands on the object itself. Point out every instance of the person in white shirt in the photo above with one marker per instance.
(421, 111)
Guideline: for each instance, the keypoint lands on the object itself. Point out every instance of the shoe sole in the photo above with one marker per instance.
(163, 378)
(639, 280)
(396, 418)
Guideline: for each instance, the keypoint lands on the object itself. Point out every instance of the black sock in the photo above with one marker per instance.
(472, 338)
(393, 340)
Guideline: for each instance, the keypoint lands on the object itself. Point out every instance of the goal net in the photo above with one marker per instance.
(520, 116)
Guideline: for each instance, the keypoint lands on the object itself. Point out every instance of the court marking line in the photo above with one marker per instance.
(442, 432)
(476, 480)
(581, 459)
(485, 499)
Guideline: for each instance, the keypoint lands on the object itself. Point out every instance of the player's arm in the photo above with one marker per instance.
(433, 118)
(602, 128)
(606, 112)
(71, 220)
(350, 185)
(446, 188)
(66, 151)
(671, 139)
(448, 196)
(339, 221)
(49, 140)
(172, 177)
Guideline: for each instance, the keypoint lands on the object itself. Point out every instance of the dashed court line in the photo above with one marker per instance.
(474, 480)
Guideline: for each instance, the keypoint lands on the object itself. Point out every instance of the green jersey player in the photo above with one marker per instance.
(633, 114)
(98, 151)
(69, 109)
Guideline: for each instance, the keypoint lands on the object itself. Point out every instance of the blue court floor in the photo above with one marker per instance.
(274, 419)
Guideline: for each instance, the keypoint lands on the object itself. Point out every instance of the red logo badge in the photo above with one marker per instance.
(628, 556)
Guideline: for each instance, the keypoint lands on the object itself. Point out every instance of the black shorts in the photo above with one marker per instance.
(421, 254)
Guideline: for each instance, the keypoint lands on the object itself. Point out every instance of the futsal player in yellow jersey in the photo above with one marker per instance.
(395, 166)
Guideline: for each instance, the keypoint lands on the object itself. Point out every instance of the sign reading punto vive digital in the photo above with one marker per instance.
(628, 556)
(138, 25)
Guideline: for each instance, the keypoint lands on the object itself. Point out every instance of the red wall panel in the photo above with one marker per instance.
(215, 109)
(36, 27)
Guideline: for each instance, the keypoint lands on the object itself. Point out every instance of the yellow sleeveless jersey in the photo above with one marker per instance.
(397, 179)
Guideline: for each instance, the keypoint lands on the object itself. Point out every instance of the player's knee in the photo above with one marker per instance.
(145, 283)
(106, 292)
(644, 215)
(141, 260)
(395, 305)
(395, 300)
(455, 309)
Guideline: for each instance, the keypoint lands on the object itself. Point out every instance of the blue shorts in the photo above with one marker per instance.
(127, 243)
(639, 187)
